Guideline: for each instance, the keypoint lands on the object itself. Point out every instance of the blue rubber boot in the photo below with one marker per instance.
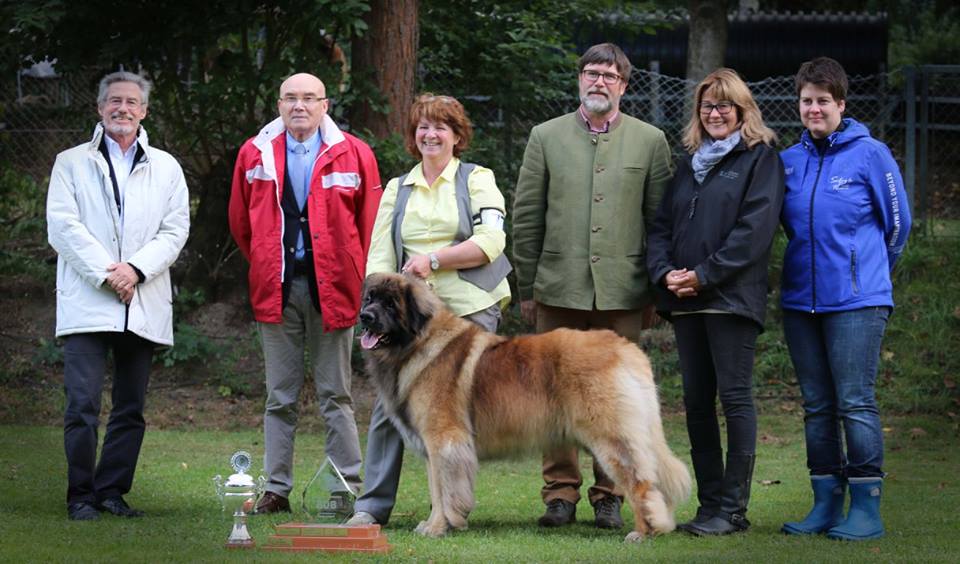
(827, 512)
(863, 520)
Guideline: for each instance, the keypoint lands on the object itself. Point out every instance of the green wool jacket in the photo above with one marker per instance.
(583, 205)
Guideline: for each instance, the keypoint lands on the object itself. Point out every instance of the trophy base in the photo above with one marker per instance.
(240, 545)
(304, 537)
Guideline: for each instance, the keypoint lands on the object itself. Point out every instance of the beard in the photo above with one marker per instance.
(596, 105)
(115, 128)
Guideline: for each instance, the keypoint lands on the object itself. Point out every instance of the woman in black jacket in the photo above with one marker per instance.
(707, 255)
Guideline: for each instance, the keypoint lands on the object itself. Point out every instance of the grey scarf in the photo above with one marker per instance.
(710, 153)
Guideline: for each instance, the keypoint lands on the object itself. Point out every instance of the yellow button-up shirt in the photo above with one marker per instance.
(430, 223)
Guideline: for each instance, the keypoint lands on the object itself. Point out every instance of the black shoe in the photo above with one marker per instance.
(118, 507)
(607, 511)
(703, 515)
(720, 524)
(559, 512)
(82, 511)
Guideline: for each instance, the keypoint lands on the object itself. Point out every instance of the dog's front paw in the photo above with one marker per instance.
(632, 537)
(425, 528)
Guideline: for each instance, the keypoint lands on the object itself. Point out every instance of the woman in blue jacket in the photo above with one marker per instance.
(846, 217)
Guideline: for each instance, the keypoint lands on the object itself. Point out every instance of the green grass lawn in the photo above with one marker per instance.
(184, 523)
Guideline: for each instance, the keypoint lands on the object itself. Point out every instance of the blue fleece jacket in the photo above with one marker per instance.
(847, 219)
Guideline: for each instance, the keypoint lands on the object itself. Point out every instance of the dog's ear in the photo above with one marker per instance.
(417, 314)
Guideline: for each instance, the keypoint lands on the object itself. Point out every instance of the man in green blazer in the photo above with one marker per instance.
(589, 187)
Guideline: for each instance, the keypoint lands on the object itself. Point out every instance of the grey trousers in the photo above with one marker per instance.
(284, 345)
(385, 445)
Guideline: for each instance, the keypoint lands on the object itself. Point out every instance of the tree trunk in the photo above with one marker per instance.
(707, 41)
(385, 58)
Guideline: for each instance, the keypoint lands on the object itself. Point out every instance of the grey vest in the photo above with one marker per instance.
(487, 276)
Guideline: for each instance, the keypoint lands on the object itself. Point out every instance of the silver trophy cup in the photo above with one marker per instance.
(238, 495)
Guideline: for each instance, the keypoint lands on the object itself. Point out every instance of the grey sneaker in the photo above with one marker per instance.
(361, 518)
(607, 511)
(559, 512)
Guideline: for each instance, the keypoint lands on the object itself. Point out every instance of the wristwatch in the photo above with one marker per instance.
(434, 261)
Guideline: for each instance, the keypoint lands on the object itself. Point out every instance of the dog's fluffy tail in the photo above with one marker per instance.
(672, 475)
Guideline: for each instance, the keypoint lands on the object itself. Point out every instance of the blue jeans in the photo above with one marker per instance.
(835, 356)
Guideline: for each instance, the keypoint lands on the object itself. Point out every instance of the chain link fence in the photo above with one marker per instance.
(936, 136)
(41, 116)
(664, 101)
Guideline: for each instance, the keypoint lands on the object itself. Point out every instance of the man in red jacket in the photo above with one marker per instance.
(302, 205)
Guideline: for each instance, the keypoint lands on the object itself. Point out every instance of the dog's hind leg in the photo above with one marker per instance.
(627, 472)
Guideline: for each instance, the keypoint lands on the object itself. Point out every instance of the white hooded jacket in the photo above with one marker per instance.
(84, 227)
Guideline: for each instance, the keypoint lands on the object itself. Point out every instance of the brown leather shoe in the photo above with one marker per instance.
(272, 503)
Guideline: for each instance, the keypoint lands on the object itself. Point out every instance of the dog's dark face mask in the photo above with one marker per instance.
(390, 315)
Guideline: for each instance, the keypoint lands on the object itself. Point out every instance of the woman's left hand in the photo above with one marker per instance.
(683, 283)
(418, 265)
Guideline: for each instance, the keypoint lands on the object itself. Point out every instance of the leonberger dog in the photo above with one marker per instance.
(458, 393)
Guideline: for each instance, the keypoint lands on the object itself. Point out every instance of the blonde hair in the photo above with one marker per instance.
(726, 84)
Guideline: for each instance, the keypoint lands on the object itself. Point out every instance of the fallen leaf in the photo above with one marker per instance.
(183, 465)
(949, 383)
(887, 355)
(769, 482)
(956, 312)
(875, 549)
(888, 429)
(941, 486)
(917, 432)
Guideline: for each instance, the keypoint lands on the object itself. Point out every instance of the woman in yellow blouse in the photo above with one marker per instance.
(443, 222)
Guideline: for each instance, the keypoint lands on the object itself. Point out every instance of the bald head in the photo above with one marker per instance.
(302, 105)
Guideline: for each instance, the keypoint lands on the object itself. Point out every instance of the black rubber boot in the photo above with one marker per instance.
(733, 500)
(708, 468)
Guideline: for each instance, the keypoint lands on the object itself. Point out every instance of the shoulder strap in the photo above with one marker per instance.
(399, 208)
(488, 276)
(465, 213)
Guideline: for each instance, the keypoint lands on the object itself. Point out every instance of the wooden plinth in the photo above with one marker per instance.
(298, 537)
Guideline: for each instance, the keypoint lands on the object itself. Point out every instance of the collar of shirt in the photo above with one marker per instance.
(117, 153)
(606, 125)
(312, 144)
(448, 174)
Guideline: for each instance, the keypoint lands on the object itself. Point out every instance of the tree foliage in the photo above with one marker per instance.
(519, 57)
(216, 67)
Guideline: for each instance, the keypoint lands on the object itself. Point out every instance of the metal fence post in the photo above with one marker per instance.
(924, 145)
(910, 133)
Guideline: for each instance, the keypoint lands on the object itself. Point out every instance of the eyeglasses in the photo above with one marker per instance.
(723, 108)
(116, 102)
(307, 100)
(609, 78)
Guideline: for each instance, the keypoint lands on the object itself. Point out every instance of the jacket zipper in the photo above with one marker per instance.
(853, 271)
(813, 262)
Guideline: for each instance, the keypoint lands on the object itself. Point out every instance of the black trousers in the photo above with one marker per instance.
(716, 357)
(85, 361)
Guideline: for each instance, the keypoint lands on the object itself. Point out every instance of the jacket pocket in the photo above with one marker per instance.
(854, 278)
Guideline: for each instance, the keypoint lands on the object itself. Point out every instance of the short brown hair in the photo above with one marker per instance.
(441, 109)
(825, 73)
(726, 84)
(606, 54)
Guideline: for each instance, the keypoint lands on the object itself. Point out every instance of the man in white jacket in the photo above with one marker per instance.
(118, 215)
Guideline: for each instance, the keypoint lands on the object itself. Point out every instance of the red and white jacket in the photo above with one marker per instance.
(344, 195)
